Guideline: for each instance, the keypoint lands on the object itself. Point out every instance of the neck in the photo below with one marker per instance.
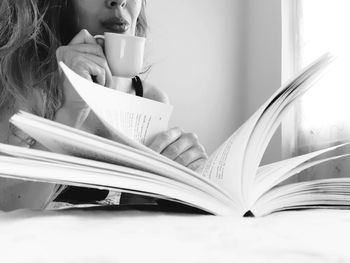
(122, 84)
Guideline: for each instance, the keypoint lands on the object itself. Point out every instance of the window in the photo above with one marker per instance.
(322, 116)
(312, 27)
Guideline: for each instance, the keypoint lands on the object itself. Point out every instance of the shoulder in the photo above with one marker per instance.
(153, 93)
(9, 133)
(6, 129)
(4, 126)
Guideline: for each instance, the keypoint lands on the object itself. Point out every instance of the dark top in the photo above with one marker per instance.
(75, 194)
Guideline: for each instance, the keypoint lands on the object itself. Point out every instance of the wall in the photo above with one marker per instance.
(195, 50)
(262, 61)
(217, 60)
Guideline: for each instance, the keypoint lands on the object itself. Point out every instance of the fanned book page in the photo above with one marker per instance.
(130, 119)
(72, 142)
(235, 164)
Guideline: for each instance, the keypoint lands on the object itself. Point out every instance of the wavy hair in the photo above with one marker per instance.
(30, 33)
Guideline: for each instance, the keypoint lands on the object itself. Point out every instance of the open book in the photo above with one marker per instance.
(230, 183)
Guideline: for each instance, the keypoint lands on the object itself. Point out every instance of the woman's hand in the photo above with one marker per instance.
(85, 57)
(181, 147)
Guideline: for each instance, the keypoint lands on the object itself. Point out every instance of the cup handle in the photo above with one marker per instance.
(99, 37)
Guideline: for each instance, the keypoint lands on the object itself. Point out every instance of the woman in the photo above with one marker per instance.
(34, 36)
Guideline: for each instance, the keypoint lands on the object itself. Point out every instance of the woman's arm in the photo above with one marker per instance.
(85, 57)
(17, 194)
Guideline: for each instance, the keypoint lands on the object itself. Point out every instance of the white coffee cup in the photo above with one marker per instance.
(124, 53)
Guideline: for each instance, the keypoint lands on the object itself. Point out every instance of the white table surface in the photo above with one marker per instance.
(135, 236)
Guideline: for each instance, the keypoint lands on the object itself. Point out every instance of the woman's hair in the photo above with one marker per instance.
(30, 33)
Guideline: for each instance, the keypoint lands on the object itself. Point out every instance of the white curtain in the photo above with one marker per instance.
(322, 117)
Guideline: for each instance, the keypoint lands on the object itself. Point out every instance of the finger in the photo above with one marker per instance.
(61, 53)
(197, 165)
(94, 49)
(73, 59)
(106, 78)
(83, 37)
(100, 42)
(191, 155)
(86, 65)
(185, 142)
(88, 69)
(162, 140)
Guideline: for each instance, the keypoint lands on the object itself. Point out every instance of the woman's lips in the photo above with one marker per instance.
(116, 24)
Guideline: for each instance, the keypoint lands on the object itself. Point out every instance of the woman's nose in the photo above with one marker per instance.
(115, 3)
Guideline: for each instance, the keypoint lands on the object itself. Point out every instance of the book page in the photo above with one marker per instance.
(271, 175)
(126, 116)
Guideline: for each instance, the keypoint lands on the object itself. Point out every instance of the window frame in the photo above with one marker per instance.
(291, 49)
(290, 64)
